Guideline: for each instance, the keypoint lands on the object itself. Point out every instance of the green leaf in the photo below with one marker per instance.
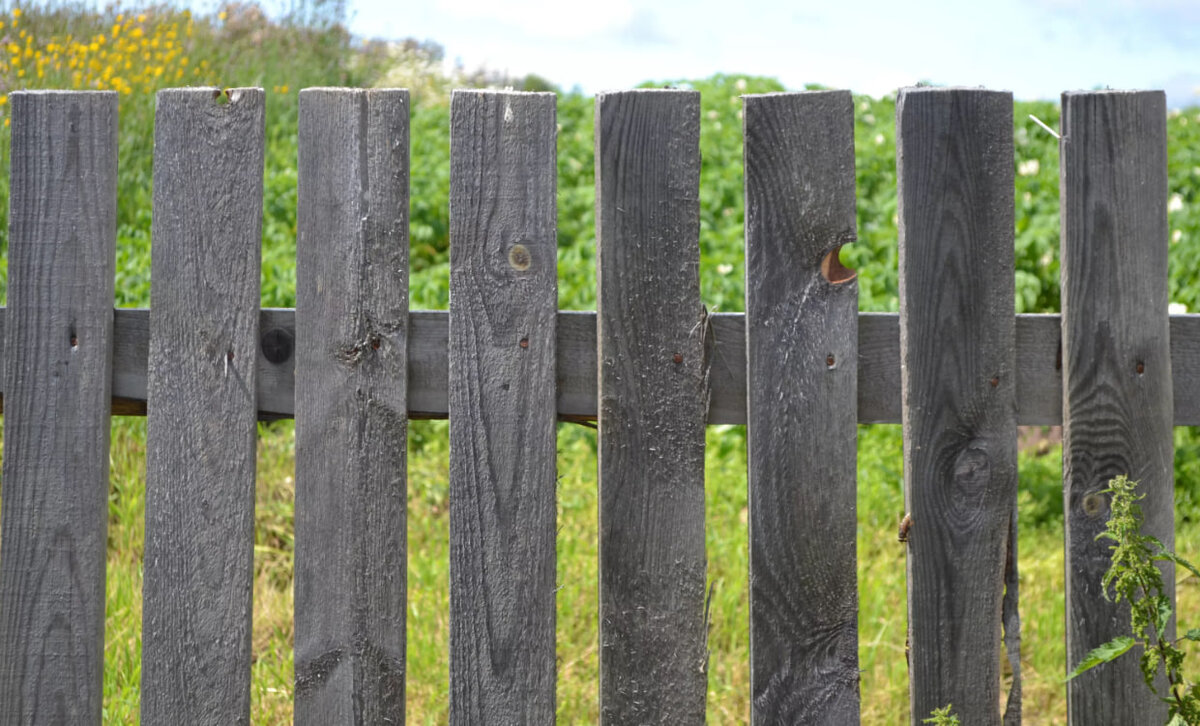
(1164, 614)
(1193, 634)
(1166, 554)
(1177, 720)
(1103, 654)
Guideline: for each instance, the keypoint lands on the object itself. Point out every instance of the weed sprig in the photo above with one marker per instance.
(1134, 577)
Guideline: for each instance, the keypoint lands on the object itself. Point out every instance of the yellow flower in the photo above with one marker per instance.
(141, 18)
(3, 99)
(220, 16)
(16, 13)
(116, 30)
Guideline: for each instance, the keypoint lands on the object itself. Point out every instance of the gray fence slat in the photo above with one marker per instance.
(503, 304)
(200, 455)
(1117, 390)
(653, 394)
(802, 356)
(351, 407)
(1039, 378)
(58, 359)
(954, 158)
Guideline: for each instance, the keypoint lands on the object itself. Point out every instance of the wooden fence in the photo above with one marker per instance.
(801, 368)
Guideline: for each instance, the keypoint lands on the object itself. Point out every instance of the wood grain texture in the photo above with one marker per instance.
(200, 456)
(801, 347)
(503, 304)
(653, 393)
(1117, 388)
(57, 372)
(351, 411)
(1039, 375)
(954, 159)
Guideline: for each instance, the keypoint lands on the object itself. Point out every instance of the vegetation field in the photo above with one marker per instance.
(136, 51)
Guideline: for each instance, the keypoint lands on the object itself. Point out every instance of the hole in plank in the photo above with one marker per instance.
(833, 270)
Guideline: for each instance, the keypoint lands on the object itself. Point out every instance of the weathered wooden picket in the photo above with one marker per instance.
(352, 364)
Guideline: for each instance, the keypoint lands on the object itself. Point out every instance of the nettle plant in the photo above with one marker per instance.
(1134, 576)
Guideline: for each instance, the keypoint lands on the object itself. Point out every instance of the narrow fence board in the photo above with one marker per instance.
(57, 372)
(503, 304)
(801, 344)
(351, 409)
(1039, 380)
(954, 160)
(653, 395)
(200, 456)
(1116, 371)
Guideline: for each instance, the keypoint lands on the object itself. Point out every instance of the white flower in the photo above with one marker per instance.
(1029, 167)
(1175, 204)
(869, 119)
(741, 84)
(713, 115)
(724, 269)
(878, 139)
(1176, 309)
(1176, 235)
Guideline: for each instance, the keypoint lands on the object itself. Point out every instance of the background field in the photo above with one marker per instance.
(137, 51)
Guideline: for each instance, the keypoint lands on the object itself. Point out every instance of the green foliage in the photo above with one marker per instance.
(942, 717)
(1134, 577)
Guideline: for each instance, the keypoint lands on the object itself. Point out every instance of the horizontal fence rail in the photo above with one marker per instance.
(1038, 367)
(352, 364)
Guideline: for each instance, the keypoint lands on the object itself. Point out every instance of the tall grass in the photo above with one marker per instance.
(239, 45)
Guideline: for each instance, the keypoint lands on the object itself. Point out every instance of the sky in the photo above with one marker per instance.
(1034, 48)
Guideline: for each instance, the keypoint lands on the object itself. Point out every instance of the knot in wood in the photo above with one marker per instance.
(1094, 504)
(519, 257)
(277, 344)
